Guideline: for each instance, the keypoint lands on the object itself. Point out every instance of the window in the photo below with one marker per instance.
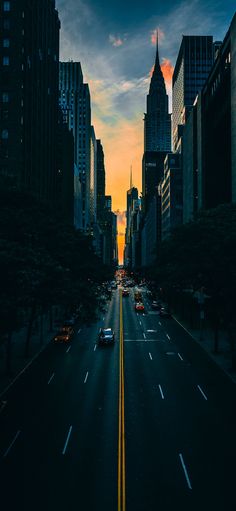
(6, 43)
(5, 97)
(5, 61)
(6, 6)
(4, 134)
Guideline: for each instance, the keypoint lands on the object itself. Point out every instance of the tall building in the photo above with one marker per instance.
(152, 173)
(217, 176)
(93, 178)
(75, 103)
(29, 60)
(171, 195)
(132, 199)
(194, 62)
(157, 120)
(100, 180)
(209, 147)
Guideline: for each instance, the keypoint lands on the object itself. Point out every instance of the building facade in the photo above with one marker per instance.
(29, 60)
(74, 101)
(194, 62)
(171, 195)
(93, 178)
(157, 120)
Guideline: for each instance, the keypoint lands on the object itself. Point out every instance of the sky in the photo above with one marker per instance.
(115, 43)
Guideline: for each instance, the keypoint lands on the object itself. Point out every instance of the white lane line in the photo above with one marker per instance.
(168, 337)
(140, 323)
(68, 349)
(144, 337)
(79, 331)
(151, 331)
(103, 319)
(86, 377)
(150, 355)
(185, 471)
(204, 395)
(159, 323)
(67, 440)
(181, 358)
(95, 347)
(50, 379)
(161, 391)
(11, 444)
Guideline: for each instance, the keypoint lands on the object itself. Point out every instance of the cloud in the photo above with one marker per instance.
(116, 41)
(154, 33)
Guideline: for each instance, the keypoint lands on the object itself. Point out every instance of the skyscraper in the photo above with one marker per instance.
(157, 121)
(194, 62)
(75, 103)
(29, 60)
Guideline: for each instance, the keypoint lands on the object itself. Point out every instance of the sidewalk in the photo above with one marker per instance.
(19, 362)
(224, 357)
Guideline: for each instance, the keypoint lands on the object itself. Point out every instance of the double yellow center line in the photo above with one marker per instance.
(121, 429)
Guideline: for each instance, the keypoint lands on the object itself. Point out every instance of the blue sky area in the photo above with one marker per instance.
(114, 42)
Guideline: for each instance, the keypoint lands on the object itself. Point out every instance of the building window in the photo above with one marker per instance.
(5, 97)
(6, 6)
(4, 134)
(6, 43)
(5, 61)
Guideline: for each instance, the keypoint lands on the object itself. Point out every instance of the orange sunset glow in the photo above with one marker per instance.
(123, 145)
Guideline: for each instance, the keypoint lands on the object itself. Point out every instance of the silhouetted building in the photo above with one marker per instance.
(93, 178)
(209, 148)
(65, 166)
(131, 204)
(152, 173)
(218, 110)
(194, 62)
(75, 104)
(171, 188)
(151, 231)
(157, 121)
(100, 180)
(29, 59)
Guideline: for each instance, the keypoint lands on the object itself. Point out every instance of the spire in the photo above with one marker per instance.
(131, 178)
(157, 61)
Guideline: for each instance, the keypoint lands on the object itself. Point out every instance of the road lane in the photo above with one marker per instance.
(65, 456)
(184, 423)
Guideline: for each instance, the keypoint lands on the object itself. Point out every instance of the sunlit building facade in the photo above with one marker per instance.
(194, 62)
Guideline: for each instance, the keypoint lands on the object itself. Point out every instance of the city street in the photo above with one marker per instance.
(75, 434)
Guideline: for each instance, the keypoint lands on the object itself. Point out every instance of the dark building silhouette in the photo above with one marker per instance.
(75, 104)
(194, 62)
(131, 205)
(152, 173)
(29, 60)
(218, 117)
(65, 166)
(209, 141)
(171, 195)
(157, 121)
(100, 180)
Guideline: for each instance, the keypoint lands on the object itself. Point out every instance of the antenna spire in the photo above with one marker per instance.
(131, 178)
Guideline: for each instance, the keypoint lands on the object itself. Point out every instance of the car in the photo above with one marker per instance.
(106, 336)
(165, 312)
(156, 305)
(125, 292)
(139, 307)
(62, 337)
(67, 329)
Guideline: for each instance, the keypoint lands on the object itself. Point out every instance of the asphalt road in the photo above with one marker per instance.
(60, 428)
